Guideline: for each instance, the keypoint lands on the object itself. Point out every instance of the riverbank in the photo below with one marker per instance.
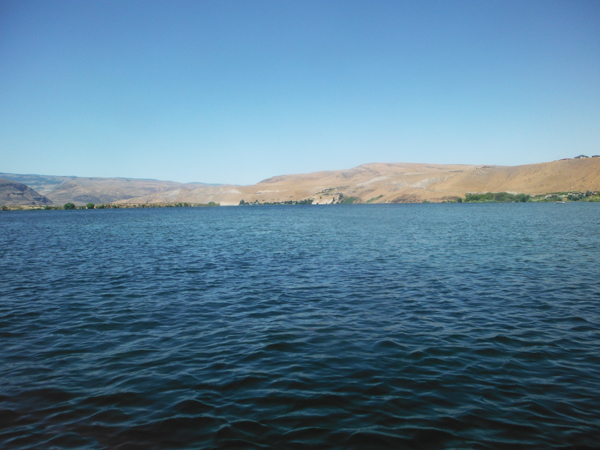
(488, 197)
(69, 206)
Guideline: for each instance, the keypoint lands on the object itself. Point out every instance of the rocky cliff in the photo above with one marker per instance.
(13, 193)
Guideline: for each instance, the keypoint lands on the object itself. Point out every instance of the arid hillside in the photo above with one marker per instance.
(13, 194)
(368, 183)
(63, 189)
(398, 183)
(107, 190)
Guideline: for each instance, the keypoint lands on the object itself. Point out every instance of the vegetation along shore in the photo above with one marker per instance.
(488, 197)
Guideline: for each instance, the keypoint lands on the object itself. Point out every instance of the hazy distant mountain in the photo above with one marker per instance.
(13, 193)
(63, 189)
(79, 190)
(107, 190)
(43, 184)
(373, 183)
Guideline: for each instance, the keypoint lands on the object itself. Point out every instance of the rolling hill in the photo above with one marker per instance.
(80, 190)
(368, 183)
(399, 183)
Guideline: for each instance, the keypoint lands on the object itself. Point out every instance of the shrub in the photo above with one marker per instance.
(349, 200)
(90, 206)
(69, 205)
(522, 198)
(374, 199)
(497, 197)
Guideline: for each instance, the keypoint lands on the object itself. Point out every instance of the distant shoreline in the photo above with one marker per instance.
(488, 197)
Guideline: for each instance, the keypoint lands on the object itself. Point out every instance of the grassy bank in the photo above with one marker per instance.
(505, 197)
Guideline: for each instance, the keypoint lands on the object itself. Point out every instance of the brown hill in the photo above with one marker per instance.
(107, 190)
(397, 183)
(44, 184)
(368, 183)
(13, 194)
(64, 189)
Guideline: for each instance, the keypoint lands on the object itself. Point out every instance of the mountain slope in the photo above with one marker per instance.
(79, 190)
(372, 183)
(13, 194)
(555, 176)
(44, 184)
(399, 183)
(107, 190)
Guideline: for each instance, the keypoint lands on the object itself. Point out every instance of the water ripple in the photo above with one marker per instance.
(376, 326)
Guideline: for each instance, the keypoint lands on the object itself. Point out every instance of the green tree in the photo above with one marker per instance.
(523, 198)
(90, 206)
(69, 205)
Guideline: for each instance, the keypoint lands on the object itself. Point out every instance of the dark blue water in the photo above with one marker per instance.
(374, 326)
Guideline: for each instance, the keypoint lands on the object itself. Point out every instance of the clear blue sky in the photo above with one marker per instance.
(238, 91)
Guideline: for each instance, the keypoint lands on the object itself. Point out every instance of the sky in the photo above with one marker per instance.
(238, 91)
